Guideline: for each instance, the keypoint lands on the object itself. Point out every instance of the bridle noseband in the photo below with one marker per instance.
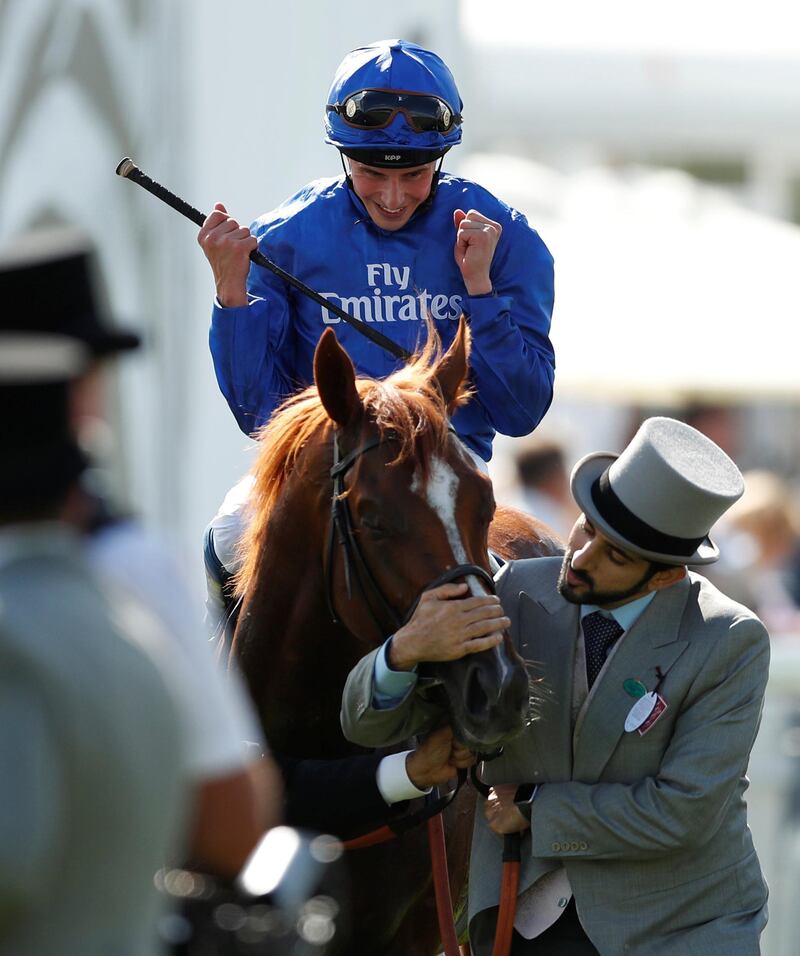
(342, 532)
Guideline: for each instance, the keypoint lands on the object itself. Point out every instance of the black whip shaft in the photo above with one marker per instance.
(129, 170)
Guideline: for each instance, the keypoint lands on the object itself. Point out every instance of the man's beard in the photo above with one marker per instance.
(589, 595)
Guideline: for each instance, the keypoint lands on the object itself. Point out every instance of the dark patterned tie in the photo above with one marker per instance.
(599, 634)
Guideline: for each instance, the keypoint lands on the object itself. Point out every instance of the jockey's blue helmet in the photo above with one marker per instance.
(393, 104)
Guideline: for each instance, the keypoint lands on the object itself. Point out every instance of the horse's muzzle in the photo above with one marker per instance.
(489, 696)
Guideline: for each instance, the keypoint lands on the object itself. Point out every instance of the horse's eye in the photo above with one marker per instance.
(486, 510)
(381, 524)
(374, 524)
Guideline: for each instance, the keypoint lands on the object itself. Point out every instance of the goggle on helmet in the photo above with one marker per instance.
(393, 104)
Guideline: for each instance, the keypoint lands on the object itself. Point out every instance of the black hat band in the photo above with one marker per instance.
(633, 529)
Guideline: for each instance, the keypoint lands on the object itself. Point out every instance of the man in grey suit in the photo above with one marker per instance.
(628, 786)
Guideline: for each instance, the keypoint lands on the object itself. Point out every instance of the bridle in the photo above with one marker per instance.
(342, 532)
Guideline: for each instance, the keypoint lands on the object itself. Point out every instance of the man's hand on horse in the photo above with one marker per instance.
(502, 814)
(448, 625)
(437, 759)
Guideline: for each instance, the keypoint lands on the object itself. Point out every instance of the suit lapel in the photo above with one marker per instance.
(548, 630)
(651, 643)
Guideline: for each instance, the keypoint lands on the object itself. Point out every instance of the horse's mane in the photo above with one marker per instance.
(408, 404)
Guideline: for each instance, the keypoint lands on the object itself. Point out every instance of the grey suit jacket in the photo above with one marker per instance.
(651, 828)
(92, 776)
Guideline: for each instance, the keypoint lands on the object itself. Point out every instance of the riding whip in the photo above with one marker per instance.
(129, 170)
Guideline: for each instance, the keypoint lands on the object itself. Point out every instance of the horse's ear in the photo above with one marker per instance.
(336, 379)
(453, 365)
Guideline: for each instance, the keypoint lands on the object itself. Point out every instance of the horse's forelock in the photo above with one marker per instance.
(409, 404)
(415, 417)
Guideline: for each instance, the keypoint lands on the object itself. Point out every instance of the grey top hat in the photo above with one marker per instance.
(660, 498)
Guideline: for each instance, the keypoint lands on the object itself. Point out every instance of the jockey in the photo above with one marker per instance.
(392, 241)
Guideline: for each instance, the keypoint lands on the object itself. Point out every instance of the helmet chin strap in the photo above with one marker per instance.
(434, 184)
(423, 207)
(347, 177)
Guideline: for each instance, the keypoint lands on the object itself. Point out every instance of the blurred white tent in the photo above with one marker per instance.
(665, 288)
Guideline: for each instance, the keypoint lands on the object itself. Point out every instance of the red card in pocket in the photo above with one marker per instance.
(655, 713)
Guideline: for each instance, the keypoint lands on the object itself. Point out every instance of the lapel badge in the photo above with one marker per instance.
(640, 711)
(645, 712)
(635, 688)
(648, 707)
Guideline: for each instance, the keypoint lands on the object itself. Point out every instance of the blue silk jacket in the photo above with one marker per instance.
(264, 351)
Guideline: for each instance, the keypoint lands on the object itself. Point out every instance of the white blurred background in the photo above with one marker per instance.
(655, 147)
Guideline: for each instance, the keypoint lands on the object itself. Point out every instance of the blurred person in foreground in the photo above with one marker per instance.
(51, 295)
(628, 787)
(92, 760)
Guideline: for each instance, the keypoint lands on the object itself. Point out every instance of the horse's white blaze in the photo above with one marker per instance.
(441, 493)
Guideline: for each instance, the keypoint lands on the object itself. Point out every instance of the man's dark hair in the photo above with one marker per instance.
(41, 458)
(535, 465)
(656, 566)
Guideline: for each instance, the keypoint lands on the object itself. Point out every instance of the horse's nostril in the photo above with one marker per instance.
(477, 700)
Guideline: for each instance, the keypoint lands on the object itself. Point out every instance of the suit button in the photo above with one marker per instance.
(573, 847)
(584, 846)
(361, 708)
(563, 902)
(555, 847)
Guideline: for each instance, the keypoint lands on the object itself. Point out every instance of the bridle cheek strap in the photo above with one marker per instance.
(341, 531)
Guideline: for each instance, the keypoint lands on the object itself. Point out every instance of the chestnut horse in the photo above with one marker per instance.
(363, 498)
